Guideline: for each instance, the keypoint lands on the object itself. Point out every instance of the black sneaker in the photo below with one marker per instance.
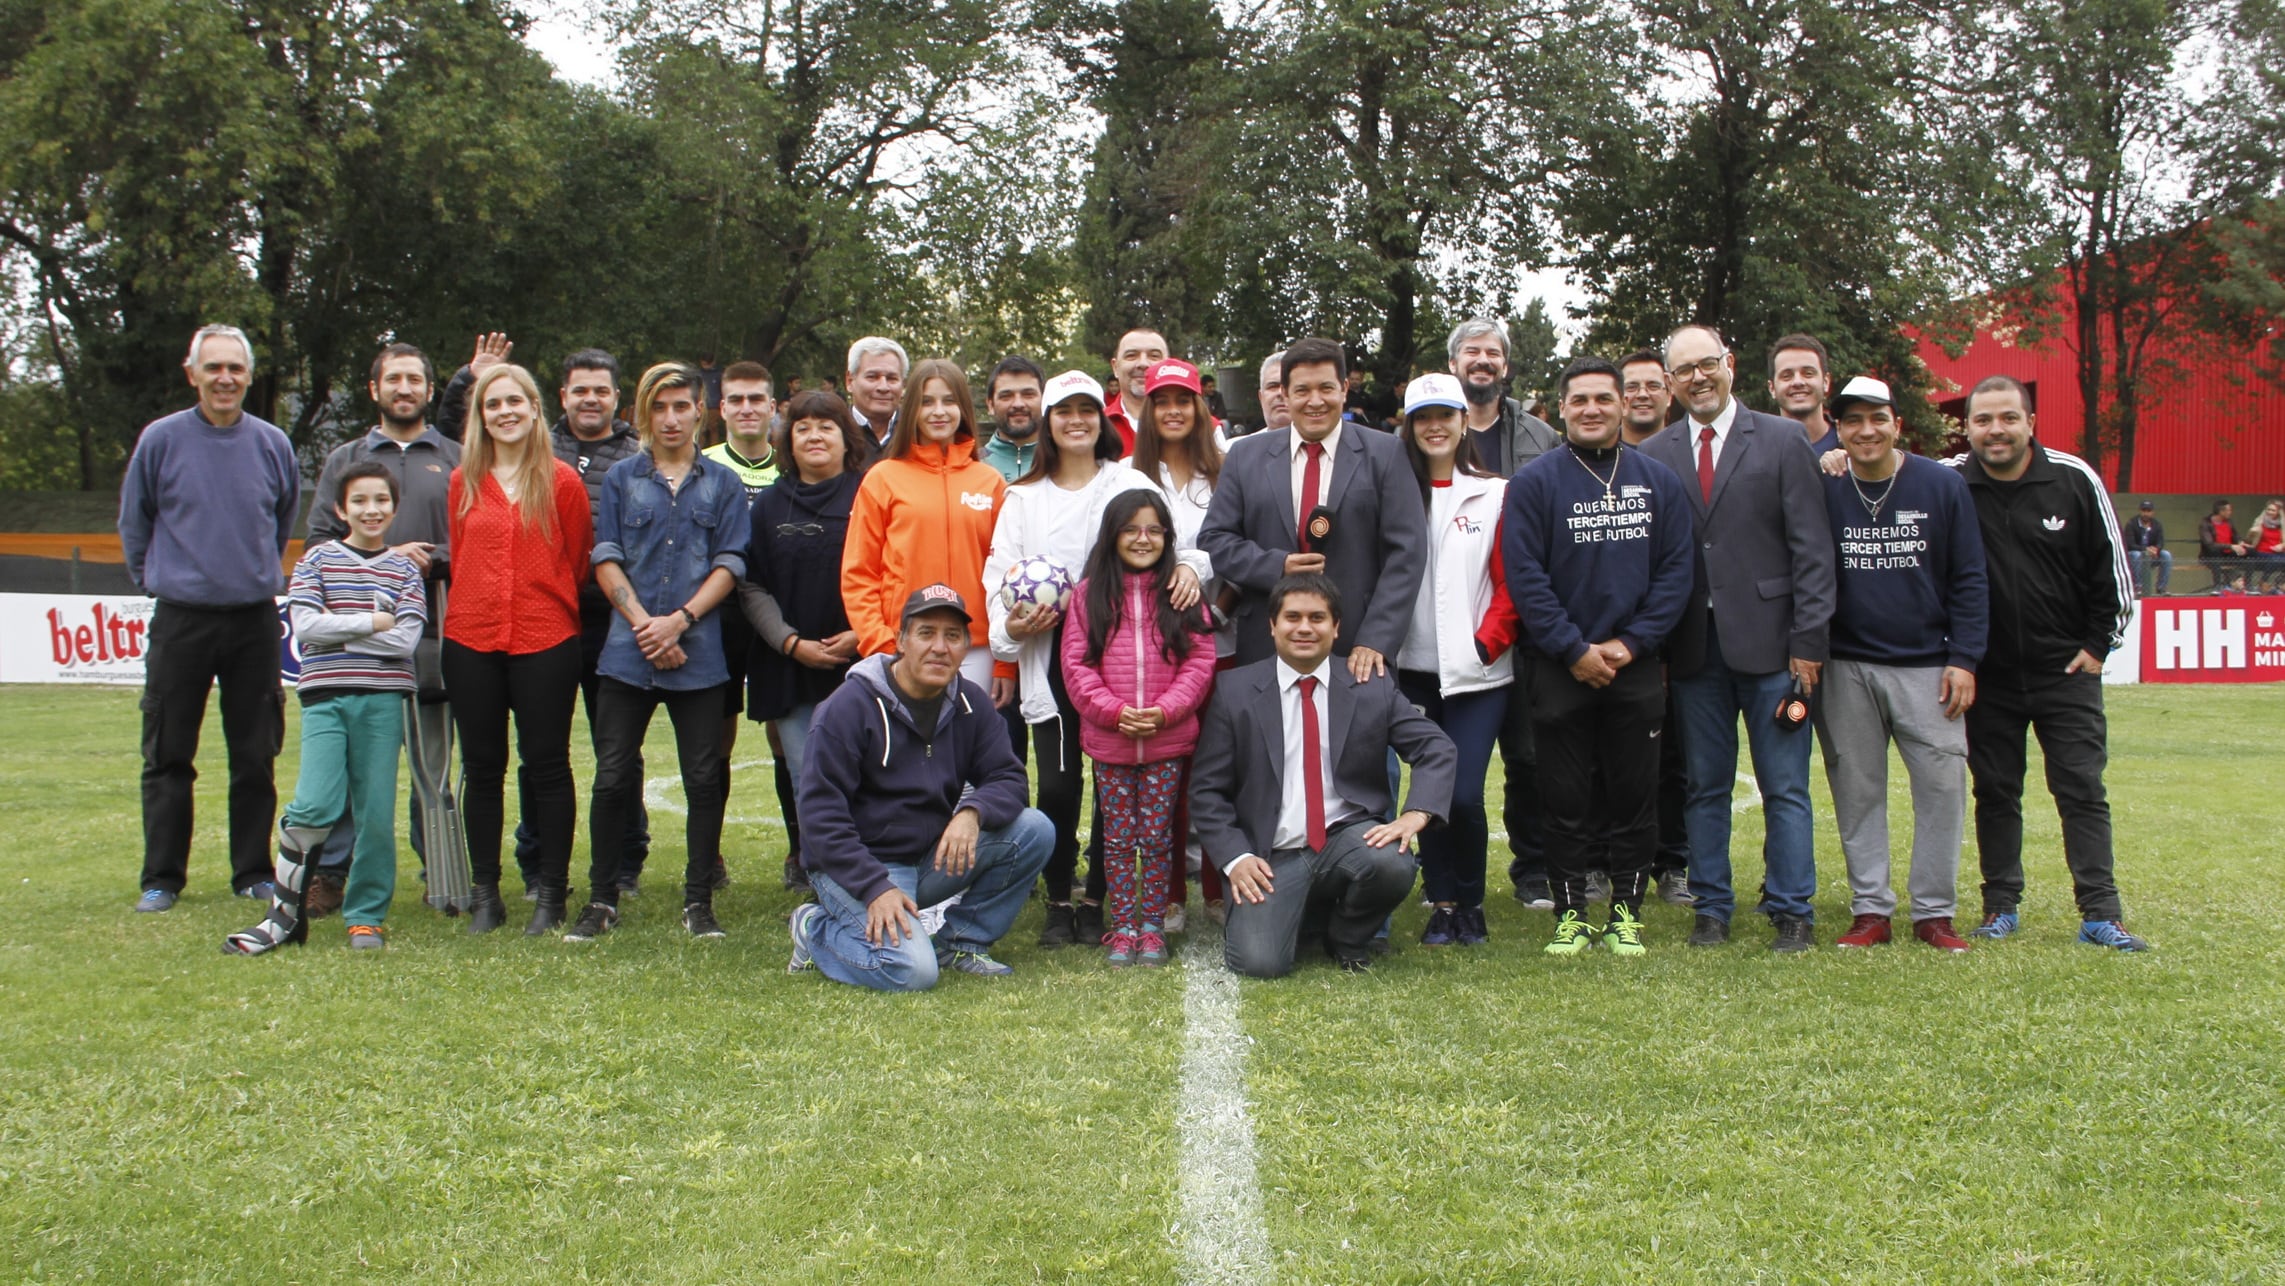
(1060, 929)
(721, 876)
(795, 877)
(698, 917)
(1473, 930)
(1710, 931)
(1794, 935)
(1536, 894)
(595, 920)
(1443, 927)
(631, 886)
(1087, 923)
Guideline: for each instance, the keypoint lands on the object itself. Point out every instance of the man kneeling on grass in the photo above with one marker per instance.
(911, 795)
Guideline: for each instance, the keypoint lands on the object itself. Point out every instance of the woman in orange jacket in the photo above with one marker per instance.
(923, 515)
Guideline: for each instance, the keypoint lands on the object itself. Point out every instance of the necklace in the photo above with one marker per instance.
(1872, 504)
(1607, 482)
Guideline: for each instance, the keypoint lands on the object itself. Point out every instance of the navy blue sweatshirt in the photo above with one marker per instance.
(1912, 585)
(1582, 568)
(205, 513)
(865, 746)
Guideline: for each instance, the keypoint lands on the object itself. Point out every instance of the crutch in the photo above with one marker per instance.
(428, 745)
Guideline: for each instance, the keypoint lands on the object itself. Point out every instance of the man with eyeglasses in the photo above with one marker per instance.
(1507, 438)
(1756, 634)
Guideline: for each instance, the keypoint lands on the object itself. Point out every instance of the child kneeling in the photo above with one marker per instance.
(1138, 672)
(357, 612)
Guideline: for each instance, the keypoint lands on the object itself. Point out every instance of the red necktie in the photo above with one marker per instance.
(1308, 498)
(1706, 464)
(1312, 762)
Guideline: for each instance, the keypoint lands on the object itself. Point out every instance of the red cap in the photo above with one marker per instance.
(1172, 373)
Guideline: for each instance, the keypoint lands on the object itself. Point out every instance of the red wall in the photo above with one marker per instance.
(2217, 427)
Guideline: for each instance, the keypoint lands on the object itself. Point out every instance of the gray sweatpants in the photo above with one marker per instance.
(1864, 707)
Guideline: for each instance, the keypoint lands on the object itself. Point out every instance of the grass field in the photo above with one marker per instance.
(650, 1108)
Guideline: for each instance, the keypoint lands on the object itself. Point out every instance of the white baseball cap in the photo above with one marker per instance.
(1434, 390)
(1068, 385)
(1866, 389)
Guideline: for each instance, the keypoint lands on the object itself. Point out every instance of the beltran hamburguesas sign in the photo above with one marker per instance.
(81, 638)
(2237, 639)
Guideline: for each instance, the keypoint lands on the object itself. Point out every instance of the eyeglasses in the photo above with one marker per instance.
(1706, 366)
(801, 529)
(1153, 533)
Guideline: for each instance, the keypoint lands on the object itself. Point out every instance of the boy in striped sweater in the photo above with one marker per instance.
(357, 613)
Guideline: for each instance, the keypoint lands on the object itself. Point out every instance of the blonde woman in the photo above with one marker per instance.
(519, 519)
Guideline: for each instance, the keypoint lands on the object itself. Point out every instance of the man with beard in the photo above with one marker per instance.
(877, 368)
(1507, 437)
(1012, 394)
(421, 460)
(1800, 379)
(1137, 351)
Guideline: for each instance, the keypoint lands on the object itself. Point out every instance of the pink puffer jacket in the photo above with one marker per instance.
(1134, 672)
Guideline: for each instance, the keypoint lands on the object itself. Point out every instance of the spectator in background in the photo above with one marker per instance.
(512, 640)
(877, 370)
(1213, 395)
(1272, 393)
(2146, 549)
(712, 376)
(2220, 552)
(791, 595)
(1800, 378)
(207, 506)
(2265, 545)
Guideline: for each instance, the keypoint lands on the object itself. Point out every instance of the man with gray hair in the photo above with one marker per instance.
(208, 503)
(877, 368)
(1507, 437)
(1274, 414)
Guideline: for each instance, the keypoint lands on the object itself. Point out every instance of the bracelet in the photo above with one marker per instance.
(686, 616)
(792, 645)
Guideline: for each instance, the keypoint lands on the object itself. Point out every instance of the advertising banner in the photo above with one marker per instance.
(2238, 638)
(86, 638)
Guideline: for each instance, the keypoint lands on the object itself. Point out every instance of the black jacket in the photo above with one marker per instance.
(2137, 541)
(794, 560)
(1515, 439)
(2059, 579)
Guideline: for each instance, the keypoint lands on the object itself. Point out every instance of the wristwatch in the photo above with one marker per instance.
(686, 616)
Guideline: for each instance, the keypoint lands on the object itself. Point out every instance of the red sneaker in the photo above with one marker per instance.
(1865, 931)
(1938, 933)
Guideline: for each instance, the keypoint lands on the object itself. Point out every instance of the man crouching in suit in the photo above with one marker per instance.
(1290, 787)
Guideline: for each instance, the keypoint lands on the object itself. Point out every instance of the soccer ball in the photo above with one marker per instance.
(1038, 580)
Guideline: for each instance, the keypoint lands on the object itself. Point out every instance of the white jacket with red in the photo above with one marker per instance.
(1462, 588)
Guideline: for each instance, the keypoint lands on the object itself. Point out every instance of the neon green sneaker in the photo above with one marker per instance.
(1572, 935)
(1623, 935)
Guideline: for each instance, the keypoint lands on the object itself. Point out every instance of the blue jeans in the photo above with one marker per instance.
(1452, 855)
(2142, 562)
(1007, 861)
(1710, 703)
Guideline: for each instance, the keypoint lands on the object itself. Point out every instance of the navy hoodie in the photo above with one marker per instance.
(865, 747)
(1912, 584)
(1583, 569)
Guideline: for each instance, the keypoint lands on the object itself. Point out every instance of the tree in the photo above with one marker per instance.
(1819, 166)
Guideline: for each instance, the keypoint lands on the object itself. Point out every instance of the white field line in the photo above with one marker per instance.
(656, 798)
(1223, 1238)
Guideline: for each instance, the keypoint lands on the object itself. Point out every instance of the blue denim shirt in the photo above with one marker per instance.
(668, 543)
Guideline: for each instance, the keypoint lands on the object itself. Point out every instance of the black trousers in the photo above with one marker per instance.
(1673, 794)
(594, 629)
(1598, 778)
(2066, 713)
(1520, 810)
(623, 716)
(189, 650)
(1062, 778)
(536, 687)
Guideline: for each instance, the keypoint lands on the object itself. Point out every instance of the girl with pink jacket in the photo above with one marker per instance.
(1138, 671)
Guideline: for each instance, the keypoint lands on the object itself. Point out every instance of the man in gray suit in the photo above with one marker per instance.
(1321, 497)
(1765, 594)
(1291, 783)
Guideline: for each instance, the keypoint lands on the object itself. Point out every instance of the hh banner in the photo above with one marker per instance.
(85, 638)
(2231, 639)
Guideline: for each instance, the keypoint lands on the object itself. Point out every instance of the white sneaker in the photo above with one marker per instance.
(1173, 919)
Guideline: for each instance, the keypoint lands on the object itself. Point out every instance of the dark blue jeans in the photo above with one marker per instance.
(1452, 855)
(1711, 702)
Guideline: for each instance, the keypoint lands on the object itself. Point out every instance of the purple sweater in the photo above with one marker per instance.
(205, 513)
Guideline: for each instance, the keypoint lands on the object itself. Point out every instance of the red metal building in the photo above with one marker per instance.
(2214, 426)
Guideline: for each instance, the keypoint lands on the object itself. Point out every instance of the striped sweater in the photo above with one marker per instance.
(336, 589)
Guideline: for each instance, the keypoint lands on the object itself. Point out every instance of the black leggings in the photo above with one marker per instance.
(1062, 778)
(538, 688)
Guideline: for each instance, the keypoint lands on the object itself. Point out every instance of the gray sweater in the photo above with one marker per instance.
(205, 513)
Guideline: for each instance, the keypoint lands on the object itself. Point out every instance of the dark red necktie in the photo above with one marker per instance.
(1308, 498)
(1706, 464)
(1312, 763)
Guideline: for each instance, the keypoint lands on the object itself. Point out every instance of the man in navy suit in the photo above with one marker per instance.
(1353, 484)
(1764, 599)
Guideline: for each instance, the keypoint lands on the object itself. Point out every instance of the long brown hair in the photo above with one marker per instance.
(535, 471)
(1049, 456)
(907, 431)
(1150, 449)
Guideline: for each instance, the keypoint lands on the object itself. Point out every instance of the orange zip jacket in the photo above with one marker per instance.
(917, 521)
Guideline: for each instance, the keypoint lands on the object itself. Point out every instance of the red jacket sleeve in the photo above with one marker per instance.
(1501, 625)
